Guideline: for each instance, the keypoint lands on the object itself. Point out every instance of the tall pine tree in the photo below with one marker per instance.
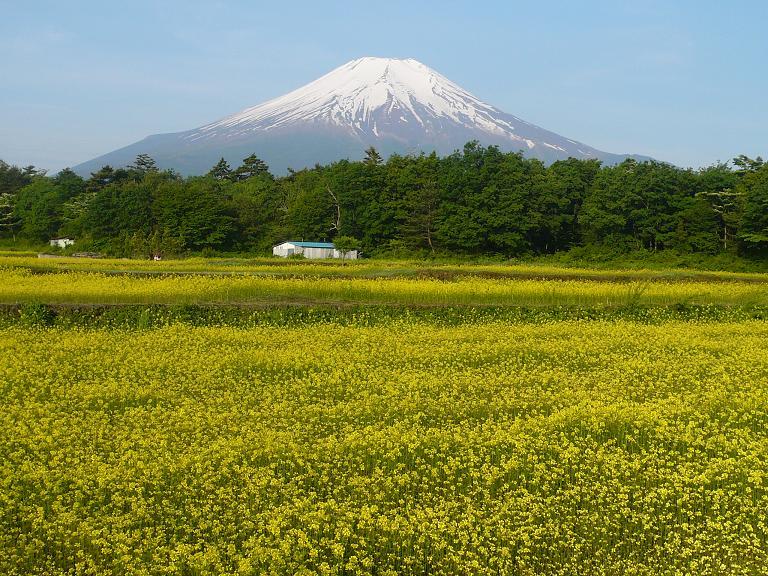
(251, 166)
(222, 170)
(143, 164)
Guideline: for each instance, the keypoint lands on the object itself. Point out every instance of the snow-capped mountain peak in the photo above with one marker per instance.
(366, 95)
(398, 106)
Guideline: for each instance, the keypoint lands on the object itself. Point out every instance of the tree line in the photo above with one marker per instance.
(476, 201)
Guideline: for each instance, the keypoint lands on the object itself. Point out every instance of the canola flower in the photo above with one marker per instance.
(22, 285)
(493, 448)
(264, 266)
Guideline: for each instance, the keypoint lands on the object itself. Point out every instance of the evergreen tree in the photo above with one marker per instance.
(251, 166)
(256, 205)
(221, 171)
(101, 178)
(143, 164)
(69, 184)
(559, 201)
(372, 157)
(194, 211)
(476, 201)
(753, 231)
(745, 164)
(13, 178)
(421, 202)
(308, 208)
(37, 207)
(717, 187)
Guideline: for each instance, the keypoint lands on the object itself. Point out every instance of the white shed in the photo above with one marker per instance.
(61, 242)
(311, 250)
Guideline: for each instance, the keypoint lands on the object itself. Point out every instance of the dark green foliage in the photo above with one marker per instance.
(475, 202)
(195, 211)
(418, 209)
(345, 245)
(144, 163)
(36, 315)
(372, 157)
(151, 316)
(39, 206)
(101, 178)
(636, 204)
(222, 170)
(13, 178)
(258, 209)
(251, 166)
(753, 188)
(308, 206)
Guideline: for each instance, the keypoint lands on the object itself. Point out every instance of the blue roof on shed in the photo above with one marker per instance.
(311, 244)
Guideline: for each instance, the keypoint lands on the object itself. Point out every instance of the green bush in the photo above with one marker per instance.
(37, 315)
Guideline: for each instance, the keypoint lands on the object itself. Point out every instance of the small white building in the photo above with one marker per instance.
(61, 242)
(311, 250)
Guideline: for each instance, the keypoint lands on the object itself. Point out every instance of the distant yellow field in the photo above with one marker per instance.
(21, 285)
(363, 268)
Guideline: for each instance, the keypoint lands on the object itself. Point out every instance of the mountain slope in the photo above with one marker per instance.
(395, 105)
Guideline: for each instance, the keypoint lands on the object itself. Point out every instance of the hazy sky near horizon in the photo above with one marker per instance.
(683, 81)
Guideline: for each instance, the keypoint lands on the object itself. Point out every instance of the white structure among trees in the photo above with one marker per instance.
(62, 242)
(311, 250)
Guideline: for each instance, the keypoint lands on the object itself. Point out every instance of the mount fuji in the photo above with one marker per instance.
(397, 106)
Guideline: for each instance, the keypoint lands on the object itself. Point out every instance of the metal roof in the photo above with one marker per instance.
(309, 244)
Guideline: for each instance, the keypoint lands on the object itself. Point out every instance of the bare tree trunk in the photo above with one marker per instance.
(336, 224)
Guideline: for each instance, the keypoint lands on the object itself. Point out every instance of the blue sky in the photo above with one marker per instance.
(683, 81)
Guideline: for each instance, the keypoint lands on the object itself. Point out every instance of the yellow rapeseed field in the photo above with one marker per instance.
(498, 448)
(362, 268)
(19, 285)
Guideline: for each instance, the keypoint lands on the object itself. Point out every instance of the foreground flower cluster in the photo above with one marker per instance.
(496, 448)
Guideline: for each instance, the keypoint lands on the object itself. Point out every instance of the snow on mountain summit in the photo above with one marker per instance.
(398, 106)
(367, 95)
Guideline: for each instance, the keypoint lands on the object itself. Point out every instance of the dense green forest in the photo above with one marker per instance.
(477, 201)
